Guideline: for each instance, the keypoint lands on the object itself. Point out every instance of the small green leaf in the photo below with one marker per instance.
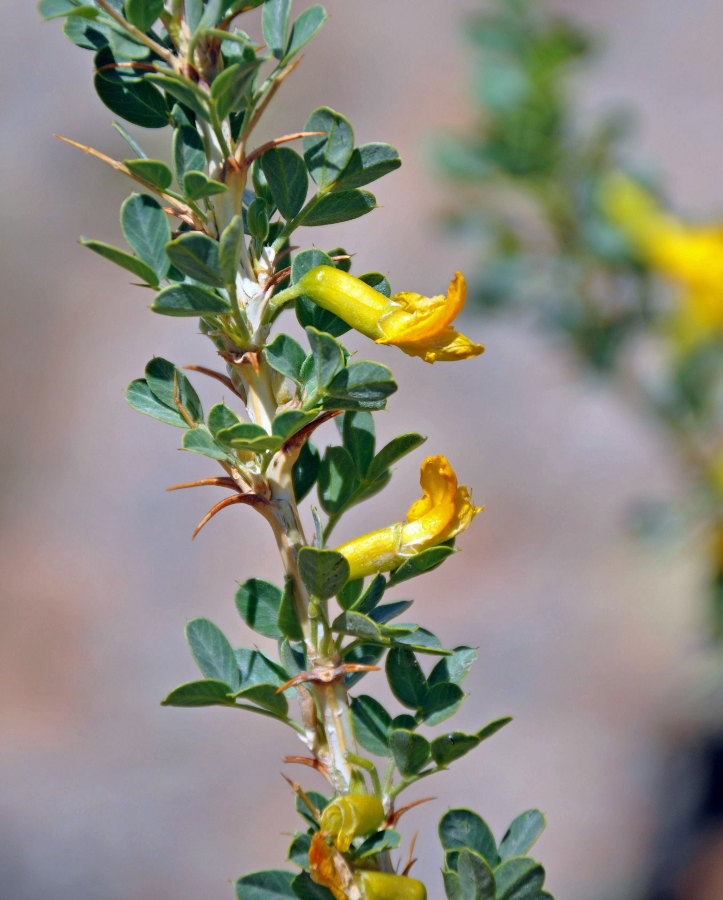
(367, 163)
(273, 884)
(337, 479)
(145, 227)
(255, 667)
(372, 724)
(328, 356)
(189, 154)
(286, 356)
(406, 678)
(200, 440)
(476, 880)
(139, 103)
(154, 171)
(197, 256)
(189, 300)
(169, 384)
(141, 398)
(324, 572)
(340, 207)
(181, 89)
(362, 385)
(451, 885)
(372, 595)
(305, 471)
(522, 834)
(123, 259)
(200, 693)
(230, 245)
(357, 430)
(440, 702)
(220, 416)
(350, 593)
(493, 728)
(257, 219)
(287, 423)
(299, 850)
(448, 747)
(326, 155)
(393, 452)
(265, 695)
(229, 89)
(419, 639)
(143, 13)
(519, 878)
(53, 9)
(357, 625)
(287, 179)
(248, 436)
(410, 750)
(422, 562)
(454, 668)
(460, 828)
(258, 603)
(275, 24)
(197, 185)
(212, 652)
(388, 611)
(304, 29)
(378, 843)
(288, 620)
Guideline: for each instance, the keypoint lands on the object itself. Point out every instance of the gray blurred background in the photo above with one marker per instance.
(592, 642)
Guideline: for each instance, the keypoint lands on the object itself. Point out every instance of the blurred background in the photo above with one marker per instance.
(595, 643)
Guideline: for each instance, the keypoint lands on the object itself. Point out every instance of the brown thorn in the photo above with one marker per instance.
(269, 145)
(179, 406)
(303, 434)
(410, 861)
(327, 675)
(219, 376)
(222, 504)
(393, 818)
(307, 761)
(217, 481)
(279, 276)
(177, 205)
(128, 65)
(296, 788)
(261, 108)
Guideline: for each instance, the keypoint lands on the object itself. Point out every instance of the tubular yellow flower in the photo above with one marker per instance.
(351, 816)
(442, 512)
(388, 886)
(420, 326)
(691, 255)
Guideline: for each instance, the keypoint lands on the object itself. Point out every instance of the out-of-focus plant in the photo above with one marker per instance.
(566, 231)
(209, 231)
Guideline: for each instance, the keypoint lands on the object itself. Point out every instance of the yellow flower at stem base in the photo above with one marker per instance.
(442, 512)
(691, 255)
(420, 326)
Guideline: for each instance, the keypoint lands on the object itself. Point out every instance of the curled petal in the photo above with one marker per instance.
(443, 511)
(351, 816)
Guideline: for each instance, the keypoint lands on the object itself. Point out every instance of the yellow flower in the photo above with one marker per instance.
(441, 513)
(691, 255)
(388, 886)
(350, 816)
(420, 326)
